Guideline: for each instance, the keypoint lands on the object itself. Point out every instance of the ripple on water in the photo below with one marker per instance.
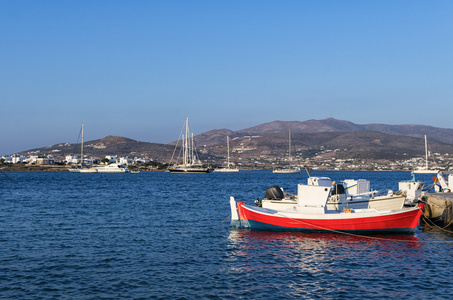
(159, 235)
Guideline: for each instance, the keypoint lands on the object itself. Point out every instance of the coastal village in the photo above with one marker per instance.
(323, 160)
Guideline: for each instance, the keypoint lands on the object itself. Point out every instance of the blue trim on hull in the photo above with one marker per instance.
(255, 225)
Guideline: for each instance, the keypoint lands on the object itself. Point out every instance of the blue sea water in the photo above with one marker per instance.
(156, 235)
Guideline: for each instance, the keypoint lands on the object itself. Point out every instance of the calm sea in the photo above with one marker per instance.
(164, 236)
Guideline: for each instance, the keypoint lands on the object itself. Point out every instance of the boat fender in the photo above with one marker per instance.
(447, 214)
(427, 212)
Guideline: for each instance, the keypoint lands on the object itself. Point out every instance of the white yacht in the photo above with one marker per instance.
(112, 168)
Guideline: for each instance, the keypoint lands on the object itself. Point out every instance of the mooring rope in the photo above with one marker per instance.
(348, 233)
(438, 227)
(225, 219)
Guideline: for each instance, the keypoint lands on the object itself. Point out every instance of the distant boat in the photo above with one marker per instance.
(288, 169)
(82, 168)
(228, 169)
(112, 168)
(188, 161)
(425, 169)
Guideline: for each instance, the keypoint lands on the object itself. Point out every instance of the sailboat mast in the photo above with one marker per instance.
(192, 153)
(228, 149)
(186, 143)
(426, 153)
(289, 144)
(81, 151)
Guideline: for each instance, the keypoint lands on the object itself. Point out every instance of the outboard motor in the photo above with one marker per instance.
(274, 193)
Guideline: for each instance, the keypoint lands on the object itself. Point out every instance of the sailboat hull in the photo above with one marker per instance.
(426, 171)
(189, 170)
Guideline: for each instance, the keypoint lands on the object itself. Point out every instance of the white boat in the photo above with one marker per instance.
(309, 213)
(289, 169)
(228, 169)
(112, 168)
(187, 161)
(349, 194)
(82, 168)
(411, 189)
(425, 169)
(442, 184)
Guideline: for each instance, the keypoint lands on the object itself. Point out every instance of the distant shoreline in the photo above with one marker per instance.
(56, 168)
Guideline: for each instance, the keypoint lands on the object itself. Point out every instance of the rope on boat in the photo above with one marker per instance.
(363, 236)
(225, 219)
(438, 227)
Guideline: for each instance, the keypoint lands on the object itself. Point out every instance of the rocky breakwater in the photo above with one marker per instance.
(439, 209)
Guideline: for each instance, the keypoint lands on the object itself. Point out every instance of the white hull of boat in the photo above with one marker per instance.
(286, 171)
(189, 170)
(226, 170)
(114, 168)
(84, 170)
(423, 171)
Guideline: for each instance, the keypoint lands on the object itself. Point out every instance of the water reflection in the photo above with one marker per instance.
(316, 251)
(325, 262)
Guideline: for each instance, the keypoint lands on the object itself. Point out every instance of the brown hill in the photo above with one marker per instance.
(346, 145)
(346, 139)
(109, 145)
(214, 137)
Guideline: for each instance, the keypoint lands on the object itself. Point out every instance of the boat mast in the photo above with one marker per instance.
(192, 154)
(186, 143)
(228, 149)
(426, 153)
(290, 159)
(81, 151)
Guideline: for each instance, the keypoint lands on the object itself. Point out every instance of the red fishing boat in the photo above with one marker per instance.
(310, 213)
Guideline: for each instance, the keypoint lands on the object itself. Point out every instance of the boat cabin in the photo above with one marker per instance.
(313, 198)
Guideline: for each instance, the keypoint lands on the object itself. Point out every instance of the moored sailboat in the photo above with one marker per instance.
(425, 169)
(83, 168)
(288, 169)
(188, 161)
(228, 169)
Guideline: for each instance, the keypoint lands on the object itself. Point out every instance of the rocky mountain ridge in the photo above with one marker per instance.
(344, 139)
(330, 124)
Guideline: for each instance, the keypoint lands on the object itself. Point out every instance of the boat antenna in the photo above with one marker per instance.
(307, 169)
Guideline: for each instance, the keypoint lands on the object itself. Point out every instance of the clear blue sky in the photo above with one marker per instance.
(138, 68)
